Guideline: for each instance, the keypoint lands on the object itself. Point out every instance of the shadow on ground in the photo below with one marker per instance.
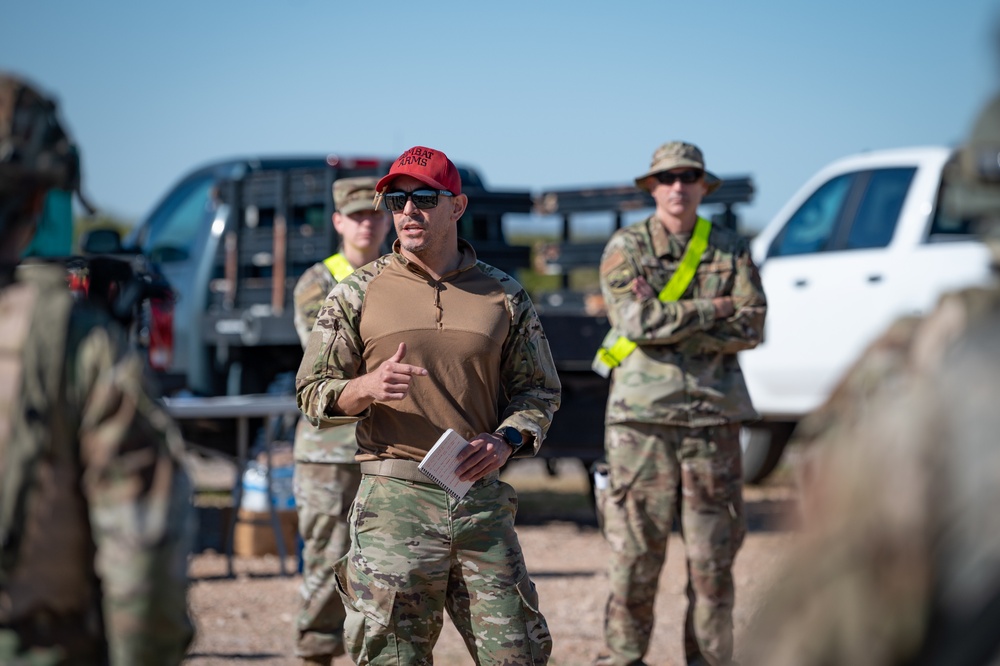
(537, 507)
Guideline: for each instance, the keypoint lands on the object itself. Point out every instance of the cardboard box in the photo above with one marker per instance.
(254, 536)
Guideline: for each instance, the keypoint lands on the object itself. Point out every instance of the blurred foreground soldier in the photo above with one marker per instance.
(900, 560)
(95, 512)
(683, 297)
(425, 339)
(326, 473)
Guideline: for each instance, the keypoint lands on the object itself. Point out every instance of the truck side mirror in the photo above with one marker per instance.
(101, 241)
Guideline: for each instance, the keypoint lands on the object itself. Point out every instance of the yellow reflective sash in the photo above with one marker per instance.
(611, 356)
(339, 266)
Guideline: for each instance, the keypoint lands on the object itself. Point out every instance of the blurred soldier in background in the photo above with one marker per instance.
(95, 512)
(900, 560)
(326, 474)
(683, 297)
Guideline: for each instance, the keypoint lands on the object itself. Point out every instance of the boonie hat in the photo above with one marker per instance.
(677, 154)
(353, 194)
(429, 166)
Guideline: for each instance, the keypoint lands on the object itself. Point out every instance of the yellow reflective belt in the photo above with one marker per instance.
(611, 357)
(339, 266)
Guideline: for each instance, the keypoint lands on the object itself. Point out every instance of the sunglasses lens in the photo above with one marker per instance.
(687, 177)
(424, 198)
(396, 201)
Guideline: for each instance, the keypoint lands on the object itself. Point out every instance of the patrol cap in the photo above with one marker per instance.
(676, 154)
(35, 150)
(351, 195)
(972, 177)
(429, 166)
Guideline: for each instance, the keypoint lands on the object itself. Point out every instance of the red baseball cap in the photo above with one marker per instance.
(429, 166)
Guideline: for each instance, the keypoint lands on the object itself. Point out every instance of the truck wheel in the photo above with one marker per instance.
(762, 446)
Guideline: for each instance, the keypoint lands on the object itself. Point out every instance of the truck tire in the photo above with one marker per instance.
(762, 446)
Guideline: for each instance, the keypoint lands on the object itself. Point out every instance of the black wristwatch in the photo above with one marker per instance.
(512, 436)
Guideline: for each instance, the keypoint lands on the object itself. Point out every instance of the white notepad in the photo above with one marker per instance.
(441, 461)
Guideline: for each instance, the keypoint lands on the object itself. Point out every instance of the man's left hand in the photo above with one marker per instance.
(486, 453)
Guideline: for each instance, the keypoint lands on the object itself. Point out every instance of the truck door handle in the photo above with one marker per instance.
(874, 278)
(801, 282)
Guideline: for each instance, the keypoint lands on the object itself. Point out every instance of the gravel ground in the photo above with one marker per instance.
(249, 619)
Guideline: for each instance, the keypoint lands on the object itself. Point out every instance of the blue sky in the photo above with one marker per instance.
(535, 94)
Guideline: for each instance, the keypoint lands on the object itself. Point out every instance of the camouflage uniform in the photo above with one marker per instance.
(326, 481)
(672, 437)
(95, 513)
(415, 550)
(898, 563)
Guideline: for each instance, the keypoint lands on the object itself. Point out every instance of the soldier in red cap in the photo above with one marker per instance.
(425, 339)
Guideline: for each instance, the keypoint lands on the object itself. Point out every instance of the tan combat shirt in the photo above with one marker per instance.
(475, 331)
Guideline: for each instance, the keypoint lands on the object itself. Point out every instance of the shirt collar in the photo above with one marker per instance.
(469, 258)
(665, 243)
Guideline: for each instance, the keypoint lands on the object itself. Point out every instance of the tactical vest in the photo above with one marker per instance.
(47, 584)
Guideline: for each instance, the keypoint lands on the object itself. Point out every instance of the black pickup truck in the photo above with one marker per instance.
(234, 236)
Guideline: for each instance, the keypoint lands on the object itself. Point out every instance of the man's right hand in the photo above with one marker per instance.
(723, 307)
(389, 381)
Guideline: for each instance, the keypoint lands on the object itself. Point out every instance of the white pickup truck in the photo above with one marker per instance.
(862, 243)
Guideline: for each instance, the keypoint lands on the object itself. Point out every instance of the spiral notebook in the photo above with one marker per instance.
(440, 463)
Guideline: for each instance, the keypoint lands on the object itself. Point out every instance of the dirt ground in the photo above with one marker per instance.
(249, 619)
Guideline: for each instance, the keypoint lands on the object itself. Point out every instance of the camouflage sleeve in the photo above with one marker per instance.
(745, 328)
(308, 296)
(333, 354)
(528, 373)
(139, 498)
(646, 320)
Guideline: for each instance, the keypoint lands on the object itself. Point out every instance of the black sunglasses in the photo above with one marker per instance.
(424, 199)
(687, 176)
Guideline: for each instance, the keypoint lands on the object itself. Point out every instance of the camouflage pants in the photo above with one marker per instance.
(658, 472)
(416, 552)
(323, 496)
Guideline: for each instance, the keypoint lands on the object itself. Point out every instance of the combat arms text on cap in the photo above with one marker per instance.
(429, 166)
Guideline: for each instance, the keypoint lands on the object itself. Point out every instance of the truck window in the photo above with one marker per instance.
(879, 209)
(173, 228)
(812, 226)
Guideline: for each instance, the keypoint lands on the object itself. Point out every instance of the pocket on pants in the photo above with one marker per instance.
(368, 628)
(537, 630)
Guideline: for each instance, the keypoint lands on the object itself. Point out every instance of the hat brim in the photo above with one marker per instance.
(712, 182)
(357, 206)
(386, 179)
